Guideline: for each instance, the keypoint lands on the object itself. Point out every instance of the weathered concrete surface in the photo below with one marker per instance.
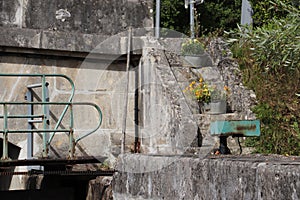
(93, 83)
(166, 121)
(40, 40)
(245, 177)
(168, 126)
(90, 16)
(69, 25)
(100, 189)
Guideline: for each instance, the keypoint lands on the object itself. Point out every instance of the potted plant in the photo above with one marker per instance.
(218, 103)
(211, 100)
(193, 50)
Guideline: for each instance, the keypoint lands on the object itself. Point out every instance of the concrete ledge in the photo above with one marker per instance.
(227, 177)
(78, 43)
(52, 40)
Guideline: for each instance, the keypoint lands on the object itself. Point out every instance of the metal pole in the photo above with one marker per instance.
(192, 24)
(29, 98)
(157, 19)
(44, 106)
(71, 134)
(5, 136)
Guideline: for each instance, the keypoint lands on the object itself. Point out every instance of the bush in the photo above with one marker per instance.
(265, 11)
(211, 16)
(269, 57)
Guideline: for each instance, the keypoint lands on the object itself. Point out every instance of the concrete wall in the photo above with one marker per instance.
(234, 178)
(167, 123)
(95, 84)
(99, 83)
(56, 37)
(69, 25)
(101, 17)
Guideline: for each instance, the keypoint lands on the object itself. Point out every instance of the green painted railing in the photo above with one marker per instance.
(45, 130)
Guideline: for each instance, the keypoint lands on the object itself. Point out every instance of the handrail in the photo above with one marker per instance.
(73, 141)
(44, 103)
(43, 76)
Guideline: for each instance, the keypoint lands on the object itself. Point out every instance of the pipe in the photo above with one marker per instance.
(45, 117)
(126, 91)
(157, 19)
(5, 134)
(192, 24)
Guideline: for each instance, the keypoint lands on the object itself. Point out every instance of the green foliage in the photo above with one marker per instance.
(265, 11)
(192, 47)
(274, 46)
(174, 16)
(219, 15)
(211, 16)
(269, 57)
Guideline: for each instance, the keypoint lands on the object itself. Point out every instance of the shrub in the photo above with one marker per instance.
(269, 57)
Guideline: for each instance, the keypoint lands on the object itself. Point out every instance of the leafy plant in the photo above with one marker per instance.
(219, 15)
(192, 47)
(269, 58)
(219, 93)
(265, 11)
(211, 16)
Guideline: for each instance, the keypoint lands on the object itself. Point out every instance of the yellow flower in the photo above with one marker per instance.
(200, 90)
(226, 88)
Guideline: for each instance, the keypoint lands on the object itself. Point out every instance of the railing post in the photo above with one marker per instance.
(29, 98)
(71, 135)
(45, 118)
(5, 136)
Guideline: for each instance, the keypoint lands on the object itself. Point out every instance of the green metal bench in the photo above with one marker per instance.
(234, 128)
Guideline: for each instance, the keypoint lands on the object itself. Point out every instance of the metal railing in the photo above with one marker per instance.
(44, 117)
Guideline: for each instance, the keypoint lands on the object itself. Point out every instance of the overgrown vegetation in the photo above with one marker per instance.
(211, 16)
(265, 11)
(269, 57)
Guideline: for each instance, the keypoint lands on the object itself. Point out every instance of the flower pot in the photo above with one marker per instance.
(215, 107)
(195, 61)
(198, 60)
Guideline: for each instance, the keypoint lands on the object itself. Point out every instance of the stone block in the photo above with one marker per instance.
(244, 177)
(11, 37)
(210, 74)
(182, 74)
